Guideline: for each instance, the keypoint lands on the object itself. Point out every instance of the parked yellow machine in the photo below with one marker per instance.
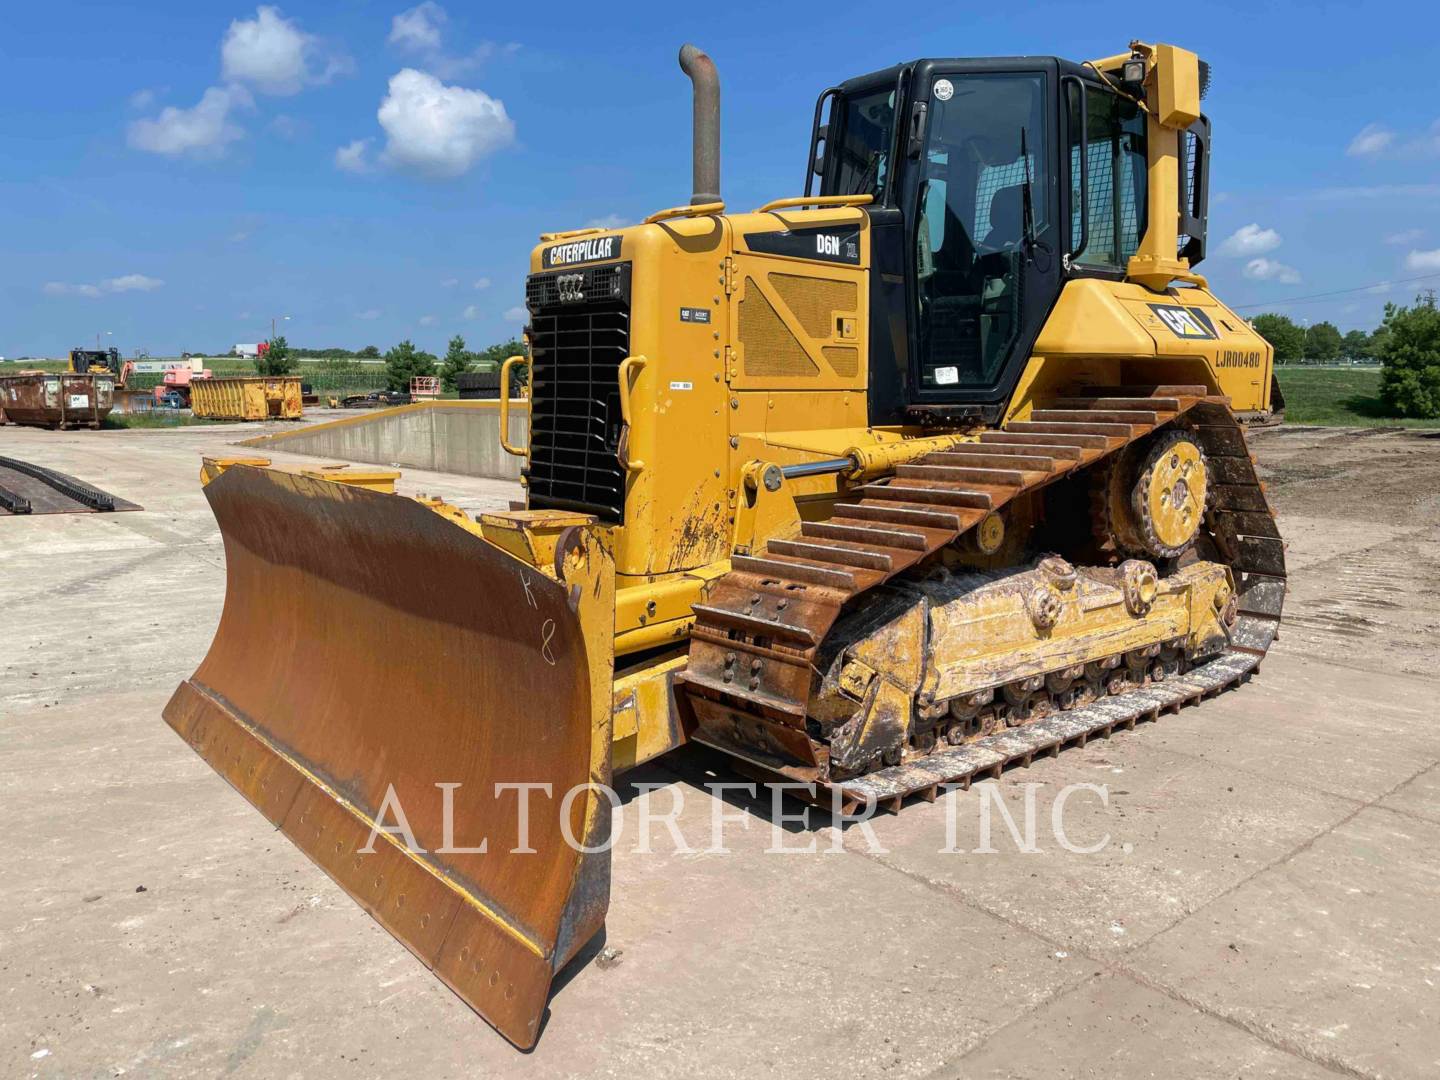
(875, 489)
(248, 397)
(95, 361)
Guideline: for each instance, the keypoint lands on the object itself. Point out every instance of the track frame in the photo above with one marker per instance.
(756, 639)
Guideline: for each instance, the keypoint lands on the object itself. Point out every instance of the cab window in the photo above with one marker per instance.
(1115, 161)
(862, 152)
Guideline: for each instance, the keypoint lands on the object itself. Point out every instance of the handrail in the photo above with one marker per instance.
(548, 237)
(686, 211)
(509, 363)
(815, 200)
(815, 135)
(1191, 278)
(629, 364)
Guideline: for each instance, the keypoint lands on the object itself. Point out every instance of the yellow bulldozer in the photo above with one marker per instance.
(877, 489)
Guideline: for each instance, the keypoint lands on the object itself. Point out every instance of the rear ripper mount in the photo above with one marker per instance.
(26, 488)
(775, 610)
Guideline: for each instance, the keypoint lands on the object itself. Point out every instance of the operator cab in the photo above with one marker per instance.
(994, 181)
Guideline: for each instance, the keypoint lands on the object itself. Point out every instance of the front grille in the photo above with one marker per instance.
(579, 333)
(596, 283)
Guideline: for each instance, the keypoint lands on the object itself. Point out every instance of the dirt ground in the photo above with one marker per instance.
(1267, 905)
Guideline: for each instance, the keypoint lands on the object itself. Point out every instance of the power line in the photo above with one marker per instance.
(1336, 292)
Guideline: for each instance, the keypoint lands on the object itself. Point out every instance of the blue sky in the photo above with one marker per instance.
(178, 173)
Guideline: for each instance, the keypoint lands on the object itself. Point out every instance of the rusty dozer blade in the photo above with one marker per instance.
(375, 661)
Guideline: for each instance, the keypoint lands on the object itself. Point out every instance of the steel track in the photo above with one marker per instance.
(14, 501)
(82, 493)
(770, 699)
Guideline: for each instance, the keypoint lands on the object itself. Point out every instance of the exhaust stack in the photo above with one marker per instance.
(706, 152)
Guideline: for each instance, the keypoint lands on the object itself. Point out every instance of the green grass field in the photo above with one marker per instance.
(159, 418)
(1338, 397)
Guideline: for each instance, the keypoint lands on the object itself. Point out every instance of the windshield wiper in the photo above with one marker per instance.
(1027, 197)
(871, 172)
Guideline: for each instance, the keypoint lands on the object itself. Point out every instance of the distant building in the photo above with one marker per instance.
(251, 351)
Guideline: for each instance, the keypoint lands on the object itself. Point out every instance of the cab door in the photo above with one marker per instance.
(984, 229)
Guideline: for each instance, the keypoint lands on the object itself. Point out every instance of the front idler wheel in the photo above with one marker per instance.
(1155, 496)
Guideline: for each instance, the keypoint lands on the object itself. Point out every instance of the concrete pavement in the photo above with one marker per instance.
(1267, 905)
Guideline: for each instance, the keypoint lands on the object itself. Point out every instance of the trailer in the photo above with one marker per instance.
(56, 399)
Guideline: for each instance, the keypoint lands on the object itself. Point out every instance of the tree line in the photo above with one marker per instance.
(1321, 343)
(1406, 344)
(369, 352)
(403, 361)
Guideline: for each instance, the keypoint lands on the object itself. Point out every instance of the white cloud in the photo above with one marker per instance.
(142, 99)
(272, 54)
(609, 221)
(418, 30)
(427, 320)
(1250, 240)
(289, 127)
(124, 283)
(449, 283)
(453, 67)
(1423, 260)
(204, 130)
(1404, 237)
(1376, 141)
(64, 288)
(516, 314)
(1428, 144)
(482, 283)
(1379, 191)
(437, 130)
(1371, 140)
(131, 283)
(352, 157)
(1270, 270)
(470, 312)
(368, 314)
